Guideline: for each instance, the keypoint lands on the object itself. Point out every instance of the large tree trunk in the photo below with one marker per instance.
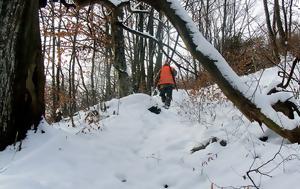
(21, 69)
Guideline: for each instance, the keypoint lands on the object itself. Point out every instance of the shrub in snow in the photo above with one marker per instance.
(92, 116)
(201, 104)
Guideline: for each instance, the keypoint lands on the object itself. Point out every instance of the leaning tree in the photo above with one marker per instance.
(274, 109)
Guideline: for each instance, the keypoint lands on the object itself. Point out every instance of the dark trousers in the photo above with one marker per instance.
(166, 94)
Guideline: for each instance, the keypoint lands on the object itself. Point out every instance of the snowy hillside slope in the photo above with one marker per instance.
(136, 149)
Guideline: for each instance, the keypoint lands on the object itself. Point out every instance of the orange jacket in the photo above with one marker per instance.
(165, 75)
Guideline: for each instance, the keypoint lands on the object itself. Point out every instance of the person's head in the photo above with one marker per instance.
(167, 62)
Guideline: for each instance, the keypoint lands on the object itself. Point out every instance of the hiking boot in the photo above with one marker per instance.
(163, 99)
(166, 106)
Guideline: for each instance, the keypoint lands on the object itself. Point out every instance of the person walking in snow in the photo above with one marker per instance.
(165, 82)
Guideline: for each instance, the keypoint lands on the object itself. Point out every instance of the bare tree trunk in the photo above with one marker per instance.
(290, 19)
(21, 70)
(285, 18)
(87, 104)
(141, 47)
(72, 88)
(151, 50)
(224, 25)
(125, 87)
(135, 66)
(279, 23)
(58, 68)
(108, 55)
(92, 75)
(207, 22)
(159, 36)
(271, 33)
(53, 56)
(138, 64)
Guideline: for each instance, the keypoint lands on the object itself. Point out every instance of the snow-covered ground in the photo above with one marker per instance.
(136, 149)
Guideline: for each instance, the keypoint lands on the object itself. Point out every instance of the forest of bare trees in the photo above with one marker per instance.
(79, 57)
(101, 51)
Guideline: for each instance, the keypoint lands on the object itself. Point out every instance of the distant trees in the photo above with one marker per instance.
(281, 26)
(78, 58)
(89, 54)
(211, 62)
(134, 62)
(230, 26)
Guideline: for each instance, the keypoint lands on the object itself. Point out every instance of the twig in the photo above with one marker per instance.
(257, 170)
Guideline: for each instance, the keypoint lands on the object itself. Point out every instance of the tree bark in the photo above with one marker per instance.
(224, 26)
(125, 87)
(21, 70)
(72, 87)
(271, 33)
(141, 46)
(108, 65)
(53, 60)
(159, 37)
(290, 20)
(151, 51)
(282, 34)
(135, 66)
(92, 75)
(59, 62)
